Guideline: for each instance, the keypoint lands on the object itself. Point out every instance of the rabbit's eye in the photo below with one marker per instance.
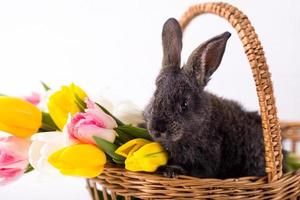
(183, 106)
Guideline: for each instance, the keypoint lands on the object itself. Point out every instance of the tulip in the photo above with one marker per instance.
(128, 113)
(130, 147)
(34, 98)
(105, 102)
(42, 146)
(139, 157)
(94, 122)
(13, 158)
(82, 160)
(19, 117)
(63, 102)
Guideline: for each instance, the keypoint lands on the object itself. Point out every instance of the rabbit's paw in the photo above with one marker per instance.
(171, 171)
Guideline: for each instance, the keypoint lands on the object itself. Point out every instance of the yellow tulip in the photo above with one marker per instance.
(19, 117)
(63, 102)
(131, 146)
(84, 160)
(146, 158)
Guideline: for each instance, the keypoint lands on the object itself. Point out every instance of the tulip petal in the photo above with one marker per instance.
(60, 104)
(19, 117)
(19, 164)
(77, 90)
(34, 153)
(43, 145)
(83, 160)
(49, 137)
(86, 132)
(131, 146)
(17, 130)
(5, 158)
(94, 122)
(34, 98)
(129, 113)
(63, 102)
(148, 158)
(9, 174)
(13, 158)
(83, 172)
(17, 147)
(97, 113)
(133, 164)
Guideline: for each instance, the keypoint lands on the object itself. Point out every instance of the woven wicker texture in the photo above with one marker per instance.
(291, 133)
(147, 186)
(118, 181)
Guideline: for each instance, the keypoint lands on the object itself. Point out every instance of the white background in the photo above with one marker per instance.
(114, 48)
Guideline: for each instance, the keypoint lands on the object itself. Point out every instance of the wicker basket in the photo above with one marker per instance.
(290, 132)
(131, 185)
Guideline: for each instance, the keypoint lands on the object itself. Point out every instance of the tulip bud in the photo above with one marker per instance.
(131, 146)
(82, 160)
(42, 146)
(143, 155)
(13, 158)
(93, 122)
(63, 102)
(19, 117)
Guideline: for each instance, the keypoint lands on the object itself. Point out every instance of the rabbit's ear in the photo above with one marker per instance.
(172, 43)
(205, 59)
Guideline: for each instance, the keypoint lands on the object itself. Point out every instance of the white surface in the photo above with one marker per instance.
(117, 45)
(34, 187)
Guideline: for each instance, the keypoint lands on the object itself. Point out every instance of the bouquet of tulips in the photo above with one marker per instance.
(73, 136)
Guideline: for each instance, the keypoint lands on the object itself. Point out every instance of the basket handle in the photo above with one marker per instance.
(261, 75)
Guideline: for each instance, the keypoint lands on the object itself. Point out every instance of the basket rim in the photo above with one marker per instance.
(109, 167)
(143, 185)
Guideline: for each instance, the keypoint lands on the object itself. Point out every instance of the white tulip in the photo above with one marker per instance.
(128, 112)
(42, 146)
(106, 103)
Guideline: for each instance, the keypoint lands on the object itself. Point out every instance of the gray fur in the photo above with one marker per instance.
(205, 135)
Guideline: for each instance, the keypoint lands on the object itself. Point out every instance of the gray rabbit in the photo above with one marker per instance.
(205, 135)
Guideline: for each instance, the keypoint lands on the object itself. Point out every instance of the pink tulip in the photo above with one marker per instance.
(93, 121)
(34, 98)
(13, 158)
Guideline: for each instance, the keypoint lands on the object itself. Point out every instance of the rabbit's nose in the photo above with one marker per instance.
(155, 133)
(160, 126)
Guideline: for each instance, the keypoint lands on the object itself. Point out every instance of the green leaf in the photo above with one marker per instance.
(107, 112)
(119, 142)
(136, 132)
(123, 137)
(80, 103)
(45, 86)
(120, 162)
(109, 148)
(109, 159)
(28, 169)
(2, 94)
(47, 123)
